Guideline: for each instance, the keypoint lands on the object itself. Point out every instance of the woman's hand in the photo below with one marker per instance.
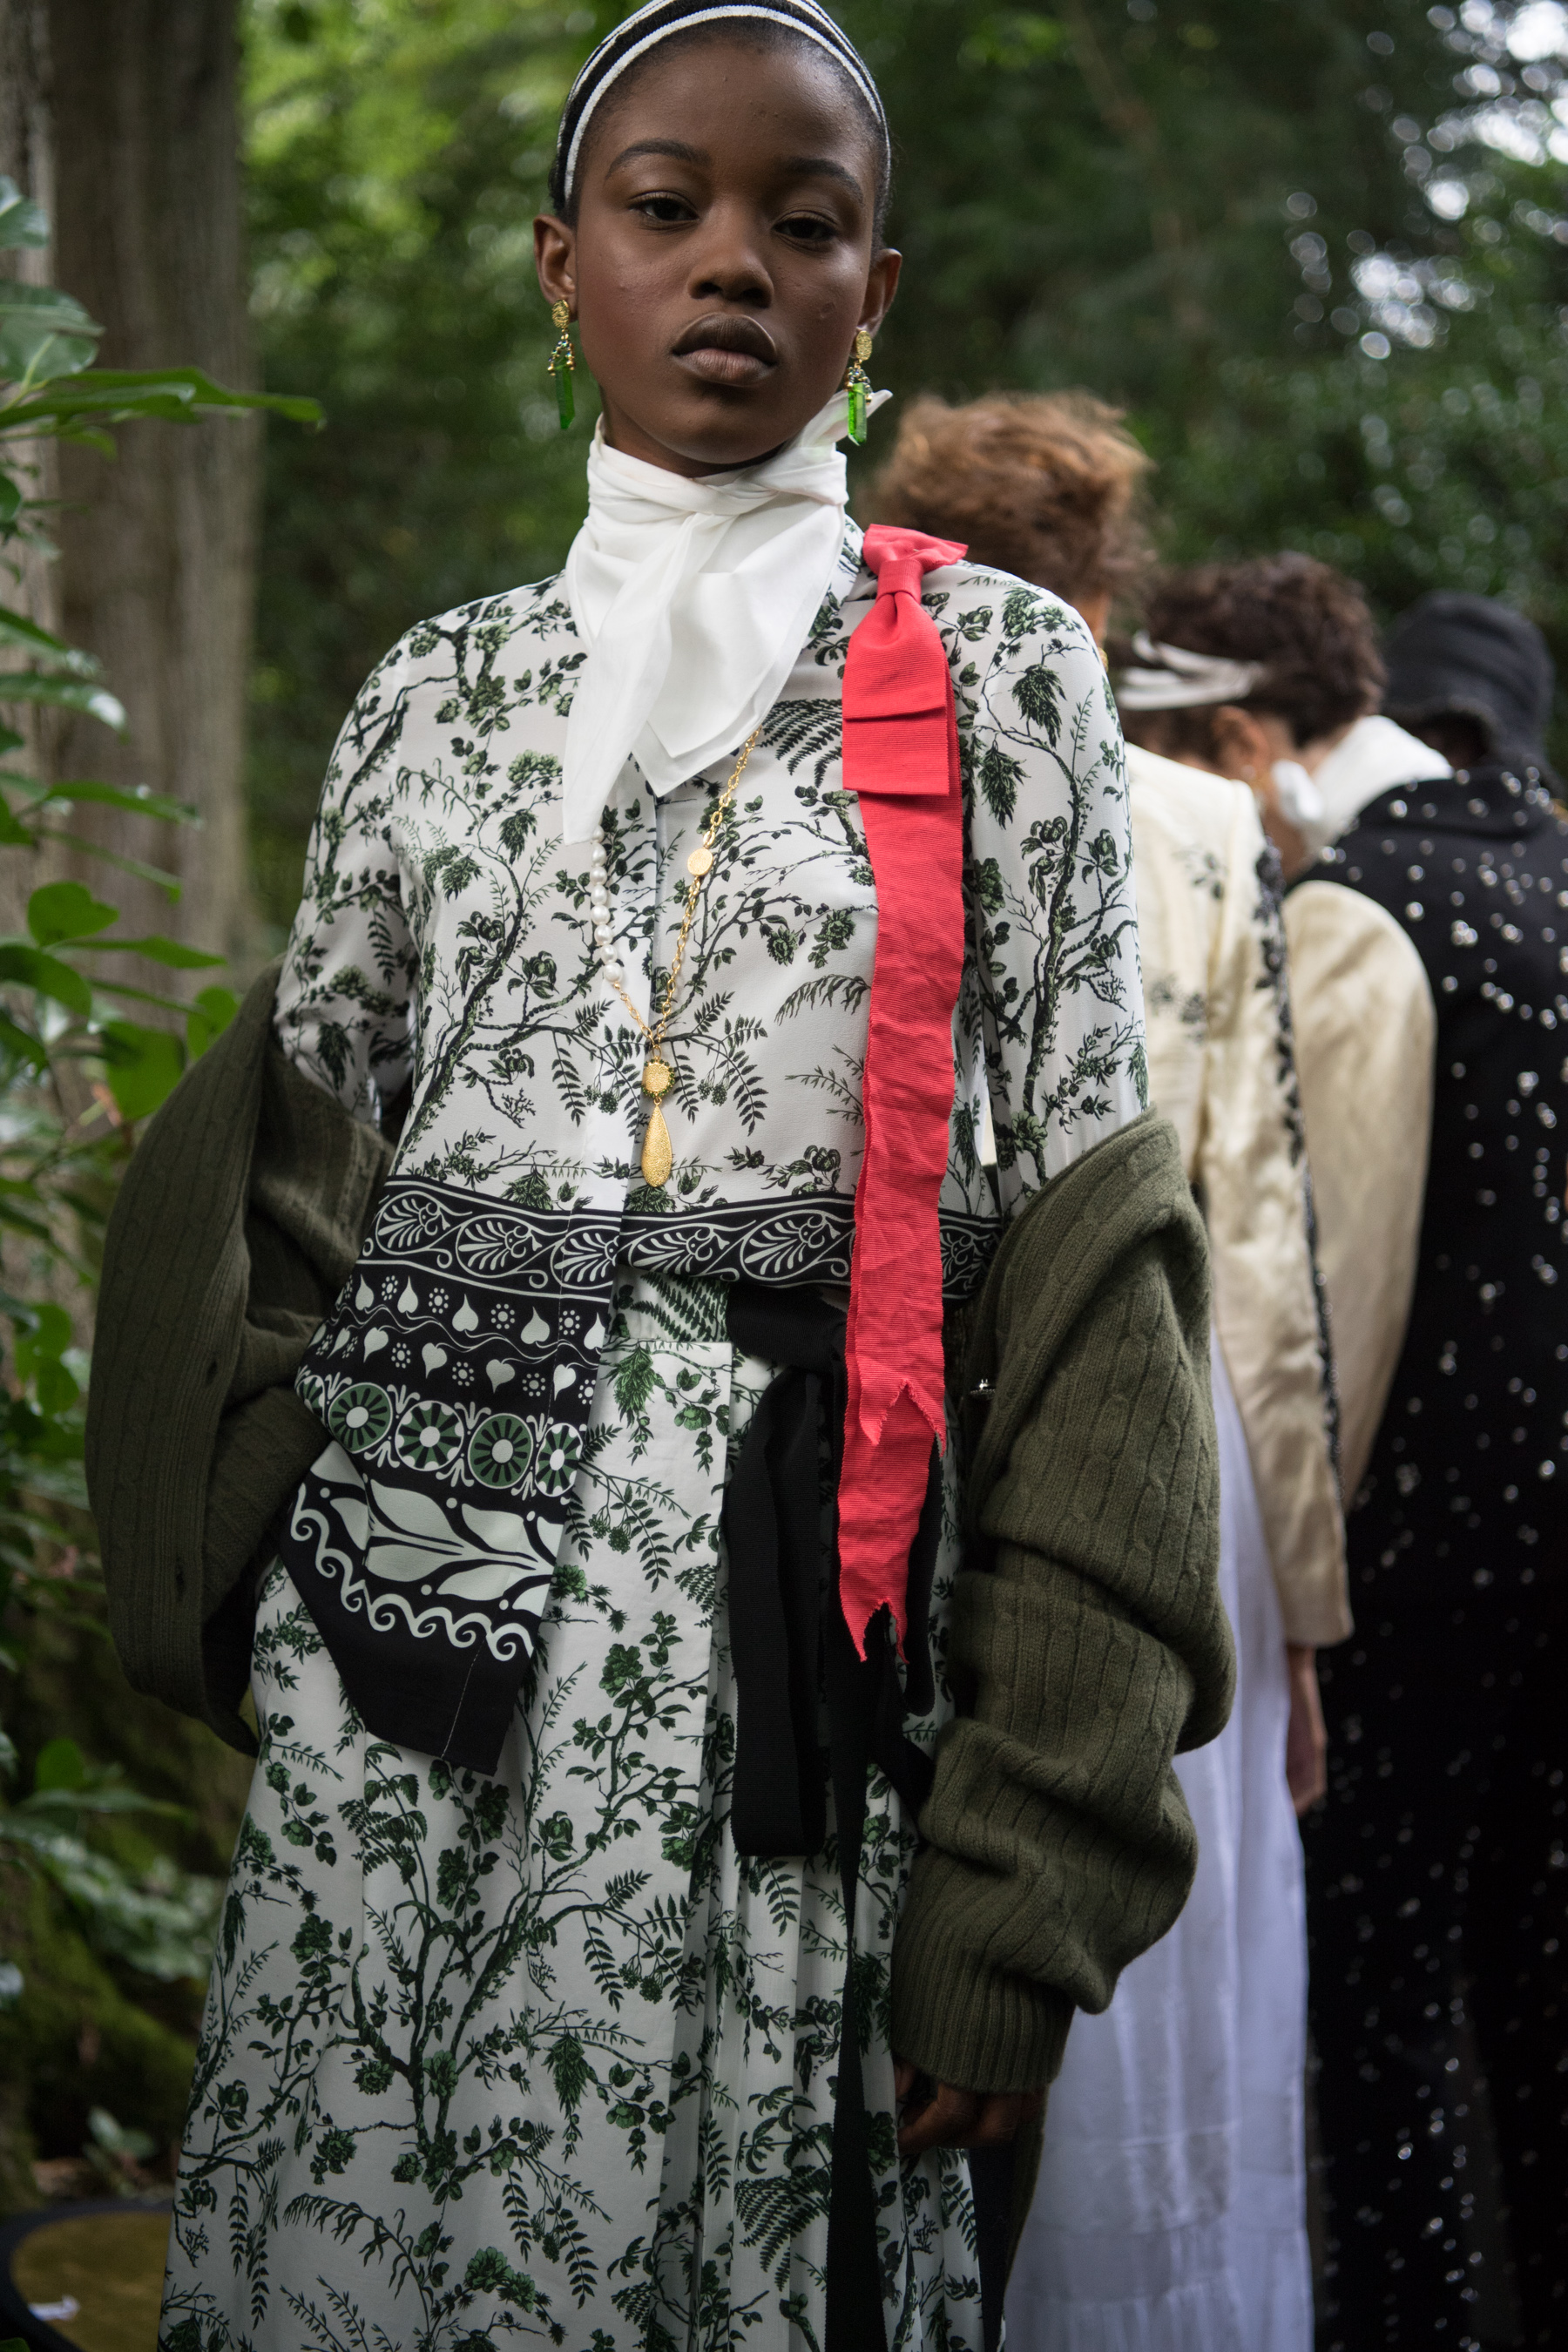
(955, 2118)
(1306, 1740)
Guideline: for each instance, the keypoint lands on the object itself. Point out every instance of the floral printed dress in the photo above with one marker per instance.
(513, 2046)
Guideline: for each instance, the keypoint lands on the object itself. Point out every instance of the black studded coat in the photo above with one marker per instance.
(1475, 1438)
(1438, 1870)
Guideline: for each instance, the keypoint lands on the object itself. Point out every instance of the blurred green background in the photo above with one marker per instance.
(1318, 248)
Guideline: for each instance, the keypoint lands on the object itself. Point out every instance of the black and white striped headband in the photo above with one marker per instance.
(656, 22)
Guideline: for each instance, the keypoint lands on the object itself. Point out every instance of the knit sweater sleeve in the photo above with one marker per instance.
(239, 1219)
(1058, 1846)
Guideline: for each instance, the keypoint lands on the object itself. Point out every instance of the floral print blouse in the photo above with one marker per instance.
(445, 947)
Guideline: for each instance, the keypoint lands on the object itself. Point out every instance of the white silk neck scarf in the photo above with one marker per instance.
(693, 599)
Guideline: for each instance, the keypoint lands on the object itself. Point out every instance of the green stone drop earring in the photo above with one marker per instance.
(561, 364)
(858, 384)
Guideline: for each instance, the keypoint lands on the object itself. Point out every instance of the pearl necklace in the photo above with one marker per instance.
(658, 1075)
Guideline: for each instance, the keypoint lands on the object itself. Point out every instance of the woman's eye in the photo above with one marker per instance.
(808, 229)
(665, 210)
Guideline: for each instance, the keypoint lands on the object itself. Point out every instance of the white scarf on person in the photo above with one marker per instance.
(693, 599)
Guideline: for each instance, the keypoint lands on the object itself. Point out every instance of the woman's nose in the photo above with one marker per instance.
(729, 265)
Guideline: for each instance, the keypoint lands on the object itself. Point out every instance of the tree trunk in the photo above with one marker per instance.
(26, 156)
(158, 543)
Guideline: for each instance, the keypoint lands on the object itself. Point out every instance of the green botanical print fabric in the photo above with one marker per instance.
(444, 941)
(538, 2059)
(444, 932)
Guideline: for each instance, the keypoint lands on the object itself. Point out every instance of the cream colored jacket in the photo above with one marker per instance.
(1221, 1067)
(1365, 1027)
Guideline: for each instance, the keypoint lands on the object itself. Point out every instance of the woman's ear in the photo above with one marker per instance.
(1242, 747)
(555, 258)
(882, 285)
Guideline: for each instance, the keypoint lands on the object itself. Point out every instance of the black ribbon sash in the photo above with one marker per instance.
(785, 1617)
(794, 1663)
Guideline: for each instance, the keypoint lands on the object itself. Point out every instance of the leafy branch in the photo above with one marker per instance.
(77, 1070)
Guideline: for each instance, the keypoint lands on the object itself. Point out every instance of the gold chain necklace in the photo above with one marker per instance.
(659, 1076)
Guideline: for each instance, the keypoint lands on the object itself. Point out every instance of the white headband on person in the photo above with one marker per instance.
(1183, 680)
(660, 20)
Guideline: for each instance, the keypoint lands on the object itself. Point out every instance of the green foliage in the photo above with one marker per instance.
(1257, 223)
(84, 2033)
(398, 155)
(1317, 250)
(105, 1910)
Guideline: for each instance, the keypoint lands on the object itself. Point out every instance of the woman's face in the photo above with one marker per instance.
(722, 257)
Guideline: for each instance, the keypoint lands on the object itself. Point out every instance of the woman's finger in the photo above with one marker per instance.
(998, 2121)
(944, 2122)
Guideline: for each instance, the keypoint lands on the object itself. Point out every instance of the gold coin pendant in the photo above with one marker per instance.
(699, 862)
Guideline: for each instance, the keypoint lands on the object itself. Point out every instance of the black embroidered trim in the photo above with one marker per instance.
(455, 1375)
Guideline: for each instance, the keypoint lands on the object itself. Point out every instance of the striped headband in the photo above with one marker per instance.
(643, 30)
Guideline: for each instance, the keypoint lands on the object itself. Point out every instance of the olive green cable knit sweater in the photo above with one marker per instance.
(1089, 1629)
(1058, 1845)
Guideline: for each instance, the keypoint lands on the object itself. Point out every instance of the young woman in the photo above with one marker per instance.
(1170, 2211)
(580, 1980)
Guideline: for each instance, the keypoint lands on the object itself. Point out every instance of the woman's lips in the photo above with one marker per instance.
(715, 365)
(722, 349)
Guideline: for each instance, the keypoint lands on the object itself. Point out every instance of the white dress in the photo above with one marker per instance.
(1169, 2215)
(1170, 2211)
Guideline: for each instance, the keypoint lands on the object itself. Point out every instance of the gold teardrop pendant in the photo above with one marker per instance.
(657, 1159)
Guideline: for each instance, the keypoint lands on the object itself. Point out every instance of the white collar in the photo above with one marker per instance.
(1373, 757)
(693, 599)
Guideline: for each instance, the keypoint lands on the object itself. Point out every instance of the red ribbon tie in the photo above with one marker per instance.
(900, 756)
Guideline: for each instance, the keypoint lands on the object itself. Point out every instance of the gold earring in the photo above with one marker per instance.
(561, 363)
(858, 384)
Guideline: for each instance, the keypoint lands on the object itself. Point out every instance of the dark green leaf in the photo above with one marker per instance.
(17, 1220)
(136, 800)
(55, 1389)
(14, 834)
(1000, 776)
(62, 694)
(16, 629)
(10, 500)
(60, 1765)
(1038, 696)
(142, 1067)
(141, 996)
(158, 876)
(117, 395)
(208, 1017)
(158, 949)
(17, 1040)
(31, 969)
(67, 910)
(43, 332)
(44, 1338)
(22, 222)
